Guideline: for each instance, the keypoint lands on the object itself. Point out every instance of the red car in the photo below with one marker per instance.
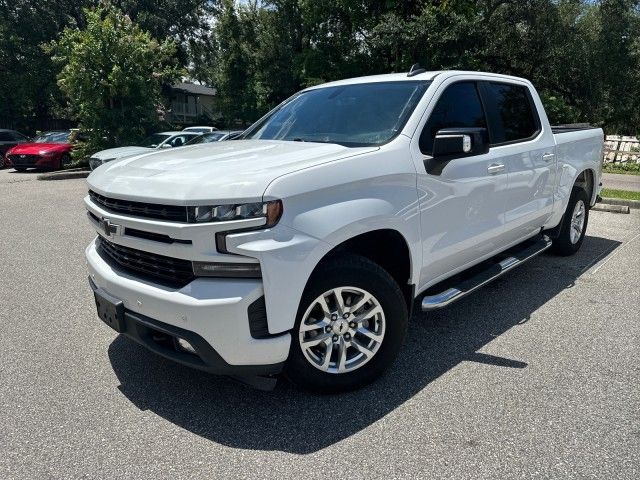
(49, 150)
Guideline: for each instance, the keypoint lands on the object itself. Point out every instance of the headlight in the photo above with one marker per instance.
(271, 211)
(46, 153)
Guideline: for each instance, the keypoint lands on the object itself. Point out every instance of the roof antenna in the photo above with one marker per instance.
(415, 70)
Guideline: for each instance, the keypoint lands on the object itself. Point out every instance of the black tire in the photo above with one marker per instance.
(64, 161)
(562, 245)
(353, 271)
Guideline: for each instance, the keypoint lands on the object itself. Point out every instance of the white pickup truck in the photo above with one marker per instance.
(302, 247)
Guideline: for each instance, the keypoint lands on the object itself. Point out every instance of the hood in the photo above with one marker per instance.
(113, 153)
(239, 170)
(39, 148)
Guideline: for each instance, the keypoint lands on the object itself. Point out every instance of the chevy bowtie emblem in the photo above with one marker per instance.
(109, 228)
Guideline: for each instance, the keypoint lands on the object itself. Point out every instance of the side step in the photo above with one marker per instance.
(508, 260)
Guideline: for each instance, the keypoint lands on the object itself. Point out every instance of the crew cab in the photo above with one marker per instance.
(303, 246)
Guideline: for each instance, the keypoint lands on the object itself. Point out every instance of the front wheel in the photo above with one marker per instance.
(574, 224)
(65, 160)
(350, 326)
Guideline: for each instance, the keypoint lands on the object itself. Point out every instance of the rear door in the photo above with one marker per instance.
(520, 137)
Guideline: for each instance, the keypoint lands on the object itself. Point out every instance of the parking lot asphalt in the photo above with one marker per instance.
(534, 376)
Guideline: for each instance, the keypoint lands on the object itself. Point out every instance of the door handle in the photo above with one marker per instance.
(495, 168)
(547, 157)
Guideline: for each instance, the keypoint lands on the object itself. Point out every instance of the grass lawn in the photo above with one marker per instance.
(626, 168)
(611, 193)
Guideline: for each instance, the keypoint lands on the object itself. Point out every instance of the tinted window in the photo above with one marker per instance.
(18, 137)
(154, 140)
(511, 115)
(458, 106)
(351, 115)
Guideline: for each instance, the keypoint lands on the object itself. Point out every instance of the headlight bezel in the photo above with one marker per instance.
(270, 210)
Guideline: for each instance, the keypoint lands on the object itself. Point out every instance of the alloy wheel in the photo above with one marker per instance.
(342, 330)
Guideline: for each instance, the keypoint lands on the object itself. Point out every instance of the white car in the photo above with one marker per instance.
(151, 143)
(302, 247)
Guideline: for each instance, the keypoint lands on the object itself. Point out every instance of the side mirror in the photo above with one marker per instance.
(165, 145)
(453, 143)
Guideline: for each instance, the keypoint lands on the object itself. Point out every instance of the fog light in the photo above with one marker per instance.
(220, 269)
(185, 346)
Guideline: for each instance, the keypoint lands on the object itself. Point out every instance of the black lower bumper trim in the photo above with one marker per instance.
(160, 337)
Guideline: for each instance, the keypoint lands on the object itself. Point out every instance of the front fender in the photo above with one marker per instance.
(287, 258)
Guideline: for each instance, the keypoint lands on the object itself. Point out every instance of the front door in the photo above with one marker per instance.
(462, 202)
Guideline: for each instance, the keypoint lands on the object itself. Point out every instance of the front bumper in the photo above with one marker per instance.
(210, 313)
(32, 161)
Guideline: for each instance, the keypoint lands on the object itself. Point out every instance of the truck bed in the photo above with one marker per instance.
(571, 127)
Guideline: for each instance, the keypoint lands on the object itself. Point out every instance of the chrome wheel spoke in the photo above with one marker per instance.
(338, 293)
(369, 334)
(342, 355)
(362, 349)
(326, 360)
(308, 327)
(322, 301)
(360, 303)
(368, 314)
(317, 340)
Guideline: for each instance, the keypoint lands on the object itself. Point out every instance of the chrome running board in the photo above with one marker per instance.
(514, 257)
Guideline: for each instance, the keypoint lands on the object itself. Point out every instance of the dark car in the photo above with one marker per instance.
(9, 139)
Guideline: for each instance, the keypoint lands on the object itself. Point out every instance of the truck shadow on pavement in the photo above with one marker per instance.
(295, 421)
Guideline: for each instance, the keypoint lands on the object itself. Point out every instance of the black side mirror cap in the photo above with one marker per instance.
(452, 143)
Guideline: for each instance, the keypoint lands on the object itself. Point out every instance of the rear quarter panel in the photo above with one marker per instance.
(576, 152)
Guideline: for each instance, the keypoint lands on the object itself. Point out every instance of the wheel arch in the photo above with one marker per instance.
(586, 180)
(386, 247)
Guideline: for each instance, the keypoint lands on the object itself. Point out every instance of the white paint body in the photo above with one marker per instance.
(330, 194)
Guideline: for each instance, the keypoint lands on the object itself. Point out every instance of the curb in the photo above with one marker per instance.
(605, 207)
(65, 174)
(622, 201)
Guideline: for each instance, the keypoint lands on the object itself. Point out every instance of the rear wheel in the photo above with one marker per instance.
(574, 224)
(350, 326)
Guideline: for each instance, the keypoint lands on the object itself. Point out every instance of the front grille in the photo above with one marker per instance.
(169, 271)
(172, 213)
(27, 161)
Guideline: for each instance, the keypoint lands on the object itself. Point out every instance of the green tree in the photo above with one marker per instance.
(233, 72)
(112, 73)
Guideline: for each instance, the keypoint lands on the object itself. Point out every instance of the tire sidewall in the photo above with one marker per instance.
(368, 276)
(563, 244)
(64, 160)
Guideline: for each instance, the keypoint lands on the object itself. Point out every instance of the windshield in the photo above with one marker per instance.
(53, 137)
(154, 140)
(361, 114)
(207, 138)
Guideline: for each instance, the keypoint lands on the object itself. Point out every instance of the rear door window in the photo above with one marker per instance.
(459, 106)
(512, 115)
